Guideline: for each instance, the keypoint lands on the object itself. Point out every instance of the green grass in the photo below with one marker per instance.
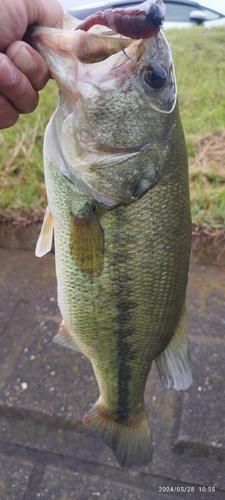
(22, 185)
(208, 201)
(199, 58)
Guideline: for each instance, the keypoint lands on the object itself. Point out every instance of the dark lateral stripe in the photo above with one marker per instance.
(124, 330)
(124, 361)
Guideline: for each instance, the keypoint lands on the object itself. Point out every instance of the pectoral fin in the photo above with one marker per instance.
(87, 242)
(44, 243)
(173, 363)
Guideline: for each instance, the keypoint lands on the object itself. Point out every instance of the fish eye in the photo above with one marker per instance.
(155, 76)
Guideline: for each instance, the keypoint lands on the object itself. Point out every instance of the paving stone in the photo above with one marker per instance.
(205, 301)
(14, 477)
(175, 463)
(59, 484)
(49, 380)
(47, 392)
(202, 422)
(13, 339)
(21, 277)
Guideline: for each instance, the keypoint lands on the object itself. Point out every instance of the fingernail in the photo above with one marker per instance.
(7, 72)
(23, 60)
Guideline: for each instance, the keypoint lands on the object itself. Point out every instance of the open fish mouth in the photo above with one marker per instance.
(84, 52)
(93, 46)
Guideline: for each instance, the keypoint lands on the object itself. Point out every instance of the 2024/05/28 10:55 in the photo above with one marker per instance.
(186, 489)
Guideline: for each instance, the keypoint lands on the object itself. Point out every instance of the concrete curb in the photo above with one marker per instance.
(25, 238)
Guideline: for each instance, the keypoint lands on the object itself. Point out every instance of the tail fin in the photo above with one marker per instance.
(130, 440)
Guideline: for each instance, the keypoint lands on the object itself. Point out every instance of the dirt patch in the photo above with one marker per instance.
(208, 244)
(209, 153)
(208, 162)
(15, 221)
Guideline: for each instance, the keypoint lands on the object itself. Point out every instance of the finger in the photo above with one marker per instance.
(32, 64)
(8, 114)
(45, 13)
(16, 87)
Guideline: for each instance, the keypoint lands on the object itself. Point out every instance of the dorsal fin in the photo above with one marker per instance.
(44, 242)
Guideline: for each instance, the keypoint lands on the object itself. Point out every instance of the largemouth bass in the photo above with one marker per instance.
(118, 198)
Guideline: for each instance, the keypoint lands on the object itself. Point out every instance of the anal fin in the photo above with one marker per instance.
(44, 243)
(64, 338)
(173, 363)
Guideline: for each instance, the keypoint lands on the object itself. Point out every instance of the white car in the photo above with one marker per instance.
(179, 13)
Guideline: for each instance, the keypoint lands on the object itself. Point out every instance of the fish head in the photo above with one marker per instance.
(117, 96)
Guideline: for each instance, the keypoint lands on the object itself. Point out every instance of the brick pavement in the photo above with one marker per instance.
(45, 390)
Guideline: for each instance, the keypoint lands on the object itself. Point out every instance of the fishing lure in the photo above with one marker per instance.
(136, 22)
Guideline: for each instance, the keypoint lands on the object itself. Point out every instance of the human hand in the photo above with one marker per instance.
(23, 72)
